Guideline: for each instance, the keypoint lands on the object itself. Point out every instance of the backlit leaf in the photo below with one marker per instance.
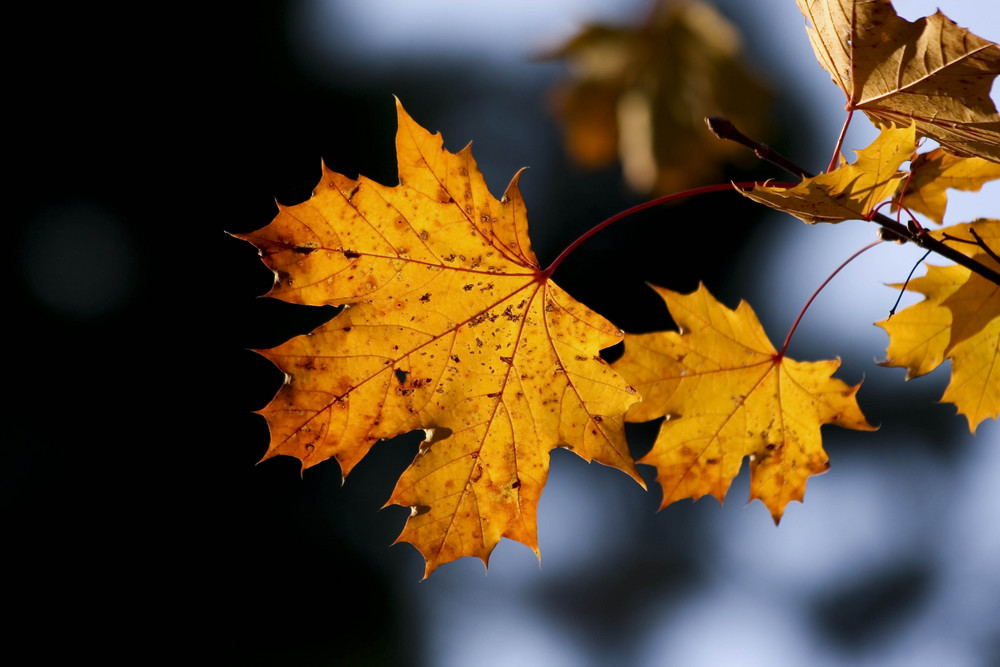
(959, 319)
(727, 394)
(933, 173)
(850, 192)
(450, 326)
(930, 71)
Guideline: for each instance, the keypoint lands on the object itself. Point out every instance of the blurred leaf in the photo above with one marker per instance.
(641, 94)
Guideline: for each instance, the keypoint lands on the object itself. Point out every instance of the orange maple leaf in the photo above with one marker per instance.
(850, 192)
(930, 72)
(727, 394)
(449, 325)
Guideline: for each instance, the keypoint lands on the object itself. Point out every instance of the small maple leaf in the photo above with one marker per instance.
(450, 326)
(727, 394)
(640, 94)
(930, 72)
(919, 335)
(959, 319)
(934, 172)
(850, 192)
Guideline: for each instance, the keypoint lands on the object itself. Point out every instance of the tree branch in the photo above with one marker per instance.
(892, 230)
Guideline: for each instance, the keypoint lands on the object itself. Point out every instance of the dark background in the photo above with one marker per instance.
(137, 524)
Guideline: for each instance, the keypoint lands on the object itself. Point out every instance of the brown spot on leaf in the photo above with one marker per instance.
(305, 248)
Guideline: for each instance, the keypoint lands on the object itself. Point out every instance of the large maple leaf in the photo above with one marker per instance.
(448, 325)
(851, 191)
(959, 319)
(930, 71)
(727, 394)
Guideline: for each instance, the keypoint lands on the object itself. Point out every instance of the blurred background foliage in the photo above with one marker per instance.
(137, 523)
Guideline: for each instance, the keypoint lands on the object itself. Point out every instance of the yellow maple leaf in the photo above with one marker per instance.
(975, 376)
(850, 192)
(930, 71)
(727, 394)
(934, 172)
(957, 320)
(977, 301)
(450, 326)
(920, 334)
(640, 94)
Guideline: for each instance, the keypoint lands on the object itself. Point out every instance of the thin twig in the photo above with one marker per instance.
(724, 129)
(978, 242)
(892, 311)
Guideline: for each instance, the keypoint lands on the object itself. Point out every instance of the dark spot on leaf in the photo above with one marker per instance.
(401, 376)
(350, 254)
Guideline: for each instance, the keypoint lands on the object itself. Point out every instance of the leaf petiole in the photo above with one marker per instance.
(899, 298)
(840, 141)
(546, 273)
(798, 319)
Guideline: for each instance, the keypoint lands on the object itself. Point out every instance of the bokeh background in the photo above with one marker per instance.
(137, 523)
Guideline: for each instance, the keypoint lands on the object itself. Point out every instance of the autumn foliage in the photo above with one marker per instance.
(449, 324)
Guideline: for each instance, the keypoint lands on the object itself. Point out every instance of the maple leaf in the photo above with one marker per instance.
(852, 191)
(640, 94)
(450, 326)
(930, 72)
(977, 301)
(959, 319)
(727, 394)
(934, 172)
(920, 334)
